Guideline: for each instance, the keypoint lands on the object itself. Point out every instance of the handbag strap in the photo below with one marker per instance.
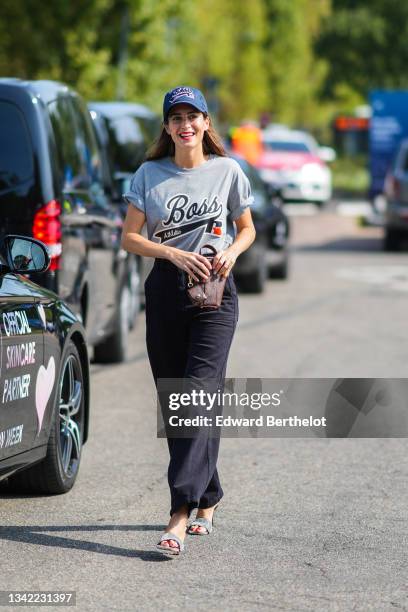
(210, 248)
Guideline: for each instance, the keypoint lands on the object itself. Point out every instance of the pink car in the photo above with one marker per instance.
(293, 162)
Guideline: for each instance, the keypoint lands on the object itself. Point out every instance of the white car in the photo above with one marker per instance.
(293, 161)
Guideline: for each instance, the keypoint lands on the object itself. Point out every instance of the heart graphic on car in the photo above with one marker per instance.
(43, 389)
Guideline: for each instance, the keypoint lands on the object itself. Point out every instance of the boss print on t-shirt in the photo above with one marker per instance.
(185, 216)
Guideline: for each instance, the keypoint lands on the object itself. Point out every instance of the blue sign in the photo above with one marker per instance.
(388, 126)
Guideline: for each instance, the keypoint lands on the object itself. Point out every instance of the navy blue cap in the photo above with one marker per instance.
(184, 95)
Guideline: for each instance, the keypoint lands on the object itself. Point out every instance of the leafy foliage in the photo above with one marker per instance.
(299, 61)
(364, 43)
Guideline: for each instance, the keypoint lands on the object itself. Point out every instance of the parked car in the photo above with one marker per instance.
(396, 193)
(54, 187)
(268, 212)
(251, 268)
(134, 262)
(293, 162)
(44, 376)
(132, 128)
(125, 131)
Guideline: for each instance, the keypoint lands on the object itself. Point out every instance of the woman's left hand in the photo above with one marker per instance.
(224, 261)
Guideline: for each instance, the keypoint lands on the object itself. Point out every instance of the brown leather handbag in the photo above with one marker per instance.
(207, 294)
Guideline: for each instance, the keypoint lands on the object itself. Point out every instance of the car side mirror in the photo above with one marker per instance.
(326, 154)
(24, 254)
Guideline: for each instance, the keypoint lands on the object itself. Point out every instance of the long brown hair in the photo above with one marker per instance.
(164, 145)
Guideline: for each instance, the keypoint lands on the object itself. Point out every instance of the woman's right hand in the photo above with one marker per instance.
(194, 264)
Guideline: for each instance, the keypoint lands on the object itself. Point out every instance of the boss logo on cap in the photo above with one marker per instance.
(181, 92)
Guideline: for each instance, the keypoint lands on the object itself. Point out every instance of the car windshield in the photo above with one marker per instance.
(287, 146)
(128, 144)
(16, 156)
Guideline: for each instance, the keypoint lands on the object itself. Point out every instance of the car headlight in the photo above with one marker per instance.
(313, 172)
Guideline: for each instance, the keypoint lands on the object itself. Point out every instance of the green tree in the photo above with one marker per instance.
(231, 49)
(295, 75)
(258, 56)
(160, 42)
(56, 40)
(364, 43)
(78, 43)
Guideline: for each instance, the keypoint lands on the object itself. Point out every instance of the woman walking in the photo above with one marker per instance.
(189, 193)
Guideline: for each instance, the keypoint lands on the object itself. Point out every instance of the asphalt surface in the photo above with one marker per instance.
(305, 524)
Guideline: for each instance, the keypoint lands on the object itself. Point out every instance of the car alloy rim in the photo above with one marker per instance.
(70, 415)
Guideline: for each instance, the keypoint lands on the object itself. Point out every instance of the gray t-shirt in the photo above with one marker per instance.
(187, 208)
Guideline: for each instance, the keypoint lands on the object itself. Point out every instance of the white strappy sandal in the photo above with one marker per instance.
(170, 551)
(202, 522)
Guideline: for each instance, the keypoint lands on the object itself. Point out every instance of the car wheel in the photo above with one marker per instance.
(280, 271)
(392, 240)
(115, 347)
(255, 282)
(58, 471)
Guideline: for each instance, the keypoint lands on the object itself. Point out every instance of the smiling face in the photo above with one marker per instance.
(186, 126)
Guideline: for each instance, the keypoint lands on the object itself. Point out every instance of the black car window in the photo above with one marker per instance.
(258, 188)
(64, 129)
(151, 128)
(76, 145)
(255, 179)
(129, 144)
(86, 142)
(102, 137)
(289, 146)
(252, 174)
(16, 155)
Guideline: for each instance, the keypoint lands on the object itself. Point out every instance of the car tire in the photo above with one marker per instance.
(114, 348)
(255, 282)
(280, 271)
(392, 240)
(57, 473)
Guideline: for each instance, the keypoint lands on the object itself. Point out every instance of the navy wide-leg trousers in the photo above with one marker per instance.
(187, 342)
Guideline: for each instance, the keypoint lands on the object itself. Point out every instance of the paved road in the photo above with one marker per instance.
(305, 524)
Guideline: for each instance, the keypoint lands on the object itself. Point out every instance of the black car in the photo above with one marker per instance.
(125, 131)
(268, 215)
(135, 268)
(55, 187)
(44, 376)
(396, 192)
(278, 234)
(251, 267)
(132, 128)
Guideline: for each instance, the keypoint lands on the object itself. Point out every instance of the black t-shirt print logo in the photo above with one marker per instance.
(185, 217)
